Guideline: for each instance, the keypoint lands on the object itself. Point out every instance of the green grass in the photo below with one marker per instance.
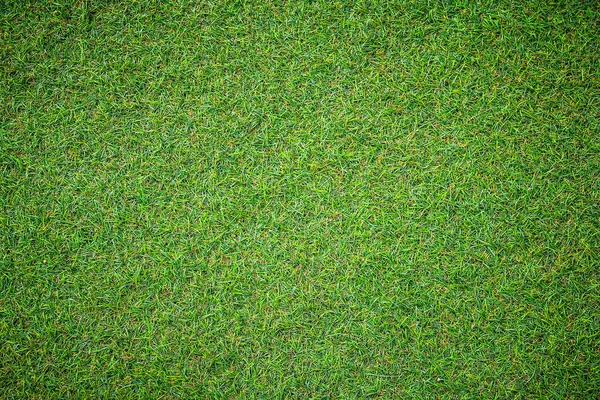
(309, 199)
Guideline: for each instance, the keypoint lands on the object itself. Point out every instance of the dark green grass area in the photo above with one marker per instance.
(303, 199)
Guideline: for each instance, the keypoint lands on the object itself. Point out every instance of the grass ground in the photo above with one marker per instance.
(305, 199)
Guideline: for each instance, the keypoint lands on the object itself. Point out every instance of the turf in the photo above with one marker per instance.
(302, 199)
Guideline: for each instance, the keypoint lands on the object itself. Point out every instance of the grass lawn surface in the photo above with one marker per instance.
(300, 199)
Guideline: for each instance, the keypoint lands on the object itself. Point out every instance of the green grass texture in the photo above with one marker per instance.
(299, 199)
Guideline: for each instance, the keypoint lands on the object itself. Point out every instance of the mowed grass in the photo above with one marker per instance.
(302, 199)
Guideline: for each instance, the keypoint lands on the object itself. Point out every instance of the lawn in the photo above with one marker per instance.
(300, 199)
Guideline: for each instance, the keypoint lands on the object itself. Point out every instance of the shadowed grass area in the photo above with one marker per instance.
(303, 199)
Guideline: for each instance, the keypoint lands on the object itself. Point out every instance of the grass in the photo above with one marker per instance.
(305, 199)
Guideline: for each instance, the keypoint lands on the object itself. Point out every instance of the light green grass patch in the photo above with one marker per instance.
(305, 199)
